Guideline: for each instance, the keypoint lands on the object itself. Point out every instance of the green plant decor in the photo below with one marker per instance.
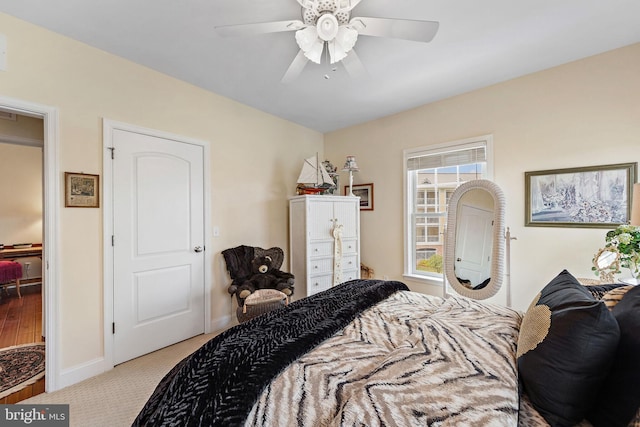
(626, 239)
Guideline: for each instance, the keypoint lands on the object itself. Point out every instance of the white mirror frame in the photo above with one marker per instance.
(498, 250)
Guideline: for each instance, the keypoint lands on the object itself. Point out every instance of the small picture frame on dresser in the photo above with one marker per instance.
(365, 192)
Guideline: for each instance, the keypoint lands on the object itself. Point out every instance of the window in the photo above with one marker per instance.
(431, 176)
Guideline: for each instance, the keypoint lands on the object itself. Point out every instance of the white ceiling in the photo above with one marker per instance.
(479, 43)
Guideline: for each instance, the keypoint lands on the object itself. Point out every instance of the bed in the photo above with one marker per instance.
(365, 353)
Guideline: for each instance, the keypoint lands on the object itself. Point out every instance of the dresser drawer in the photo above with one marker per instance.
(321, 266)
(319, 284)
(317, 249)
(350, 275)
(350, 263)
(349, 247)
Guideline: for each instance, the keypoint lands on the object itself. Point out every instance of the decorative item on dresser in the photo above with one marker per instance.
(350, 166)
(314, 178)
(324, 241)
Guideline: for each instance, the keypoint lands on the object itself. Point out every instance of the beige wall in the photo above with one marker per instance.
(29, 128)
(579, 114)
(20, 194)
(255, 160)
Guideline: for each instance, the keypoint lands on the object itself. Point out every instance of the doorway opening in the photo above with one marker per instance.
(38, 257)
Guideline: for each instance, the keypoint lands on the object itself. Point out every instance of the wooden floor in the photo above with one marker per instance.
(21, 323)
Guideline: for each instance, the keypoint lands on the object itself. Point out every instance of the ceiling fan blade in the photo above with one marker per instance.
(407, 29)
(241, 30)
(295, 68)
(354, 66)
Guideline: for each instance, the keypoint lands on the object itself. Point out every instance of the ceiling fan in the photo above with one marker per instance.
(328, 24)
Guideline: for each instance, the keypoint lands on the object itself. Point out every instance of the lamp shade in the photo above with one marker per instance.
(635, 207)
(350, 165)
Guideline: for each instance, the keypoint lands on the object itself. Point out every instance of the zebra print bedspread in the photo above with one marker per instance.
(218, 384)
(411, 360)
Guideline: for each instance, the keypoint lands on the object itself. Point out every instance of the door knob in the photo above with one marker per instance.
(198, 249)
(458, 259)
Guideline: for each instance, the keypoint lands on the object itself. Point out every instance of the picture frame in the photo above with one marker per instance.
(588, 197)
(365, 192)
(81, 190)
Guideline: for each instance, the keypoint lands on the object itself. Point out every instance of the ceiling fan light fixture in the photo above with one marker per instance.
(315, 53)
(327, 26)
(344, 42)
(336, 53)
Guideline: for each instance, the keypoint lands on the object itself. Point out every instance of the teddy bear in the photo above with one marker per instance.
(264, 276)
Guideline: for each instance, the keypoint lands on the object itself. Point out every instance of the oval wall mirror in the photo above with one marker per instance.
(475, 245)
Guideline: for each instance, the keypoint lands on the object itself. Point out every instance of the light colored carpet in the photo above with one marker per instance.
(114, 398)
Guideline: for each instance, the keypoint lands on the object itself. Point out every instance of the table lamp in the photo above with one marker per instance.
(351, 167)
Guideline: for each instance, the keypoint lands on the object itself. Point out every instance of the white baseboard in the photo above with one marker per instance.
(98, 366)
(220, 323)
(82, 372)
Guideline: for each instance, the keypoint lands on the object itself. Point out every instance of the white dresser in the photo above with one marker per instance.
(324, 249)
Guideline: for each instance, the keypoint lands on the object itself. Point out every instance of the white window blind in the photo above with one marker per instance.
(464, 156)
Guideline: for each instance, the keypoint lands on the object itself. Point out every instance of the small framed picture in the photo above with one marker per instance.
(365, 192)
(81, 190)
(593, 196)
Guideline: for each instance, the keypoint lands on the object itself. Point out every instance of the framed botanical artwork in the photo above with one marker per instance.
(365, 192)
(593, 196)
(81, 190)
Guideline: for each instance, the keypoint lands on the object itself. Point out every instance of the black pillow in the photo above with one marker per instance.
(598, 291)
(619, 397)
(566, 344)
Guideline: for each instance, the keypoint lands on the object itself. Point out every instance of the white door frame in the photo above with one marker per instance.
(108, 127)
(51, 190)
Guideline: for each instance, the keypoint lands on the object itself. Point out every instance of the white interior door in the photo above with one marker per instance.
(474, 243)
(158, 243)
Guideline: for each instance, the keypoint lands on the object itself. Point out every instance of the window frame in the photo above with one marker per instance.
(409, 270)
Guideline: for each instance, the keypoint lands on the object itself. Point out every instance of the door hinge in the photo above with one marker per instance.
(113, 240)
(113, 328)
(112, 149)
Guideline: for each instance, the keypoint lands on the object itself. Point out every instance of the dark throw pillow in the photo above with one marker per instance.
(599, 291)
(619, 398)
(566, 345)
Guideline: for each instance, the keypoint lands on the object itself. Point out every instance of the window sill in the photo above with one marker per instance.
(434, 281)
